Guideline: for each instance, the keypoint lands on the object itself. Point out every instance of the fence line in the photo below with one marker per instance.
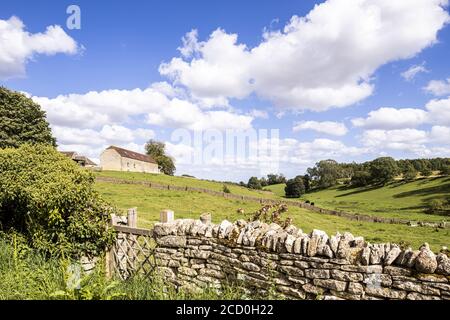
(299, 204)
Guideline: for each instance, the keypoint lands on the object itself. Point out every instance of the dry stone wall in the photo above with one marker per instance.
(194, 254)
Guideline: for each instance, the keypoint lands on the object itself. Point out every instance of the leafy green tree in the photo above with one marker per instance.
(22, 121)
(275, 179)
(52, 201)
(410, 173)
(445, 170)
(325, 173)
(157, 150)
(383, 170)
(426, 172)
(254, 183)
(294, 187)
(360, 178)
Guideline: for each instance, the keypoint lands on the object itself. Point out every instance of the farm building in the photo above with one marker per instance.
(81, 160)
(119, 159)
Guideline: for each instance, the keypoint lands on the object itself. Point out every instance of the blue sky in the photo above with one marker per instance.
(343, 79)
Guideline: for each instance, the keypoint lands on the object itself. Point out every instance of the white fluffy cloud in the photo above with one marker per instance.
(392, 118)
(439, 111)
(17, 46)
(319, 61)
(328, 127)
(411, 73)
(158, 104)
(438, 87)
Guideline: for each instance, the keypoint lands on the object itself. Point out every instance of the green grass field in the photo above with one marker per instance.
(396, 200)
(191, 204)
(183, 182)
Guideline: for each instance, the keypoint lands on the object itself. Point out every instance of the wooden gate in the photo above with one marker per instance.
(133, 249)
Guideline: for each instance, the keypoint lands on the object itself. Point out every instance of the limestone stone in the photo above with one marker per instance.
(411, 258)
(187, 271)
(426, 260)
(294, 271)
(376, 254)
(297, 293)
(317, 273)
(331, 284)
(309, 288)
(418, 296)
(417, 287)
(297, 245)
(343, 250)
(289, 243)
(212, 273)
(334, 242)
(355, 288)
(365, 256)
(385, 292)
(397, 271)
(346, 276)
(443, 264)
(251, 266)
(392, 255)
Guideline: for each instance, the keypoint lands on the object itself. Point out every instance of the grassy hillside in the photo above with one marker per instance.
(398, 199)
(277, 189)
(184, 181)
(191, 204)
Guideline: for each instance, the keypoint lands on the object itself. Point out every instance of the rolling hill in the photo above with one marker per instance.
(395, 200)
(190, 204)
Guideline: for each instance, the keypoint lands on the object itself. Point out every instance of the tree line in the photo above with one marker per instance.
(328, 173)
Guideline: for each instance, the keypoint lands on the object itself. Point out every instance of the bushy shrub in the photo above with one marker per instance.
(294, 187)
(52, 202)
(439, 206)
(226, 189)
(360, 179)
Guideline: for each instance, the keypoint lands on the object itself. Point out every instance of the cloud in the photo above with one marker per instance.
(438, 87)
(323, 60)
(328, 127)
(159, 105)
(439, 111)
(407, 140)
(411, 73)
(18, 47)
(392, 118)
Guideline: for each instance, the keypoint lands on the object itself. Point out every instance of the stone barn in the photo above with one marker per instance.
(81, 160)
(119, 159)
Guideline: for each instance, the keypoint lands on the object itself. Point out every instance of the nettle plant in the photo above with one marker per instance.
(271, 213)
(52, 202)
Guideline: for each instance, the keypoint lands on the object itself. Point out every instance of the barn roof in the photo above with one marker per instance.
(132, 155)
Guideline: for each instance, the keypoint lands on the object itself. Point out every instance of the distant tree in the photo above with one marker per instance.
(360, 179)
(226, 189)
(445, 170)
(294, 187)
(254, 183)
(383, 170)
(426, 172)
(275, 179)
(22, 121)
(307, 182)
(157, 150)
(242, 184)
(263, 182)
(325, 173)
(410, 173)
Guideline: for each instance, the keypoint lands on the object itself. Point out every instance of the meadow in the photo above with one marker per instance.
(187, 204)
(403, 200)
(185, 182)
